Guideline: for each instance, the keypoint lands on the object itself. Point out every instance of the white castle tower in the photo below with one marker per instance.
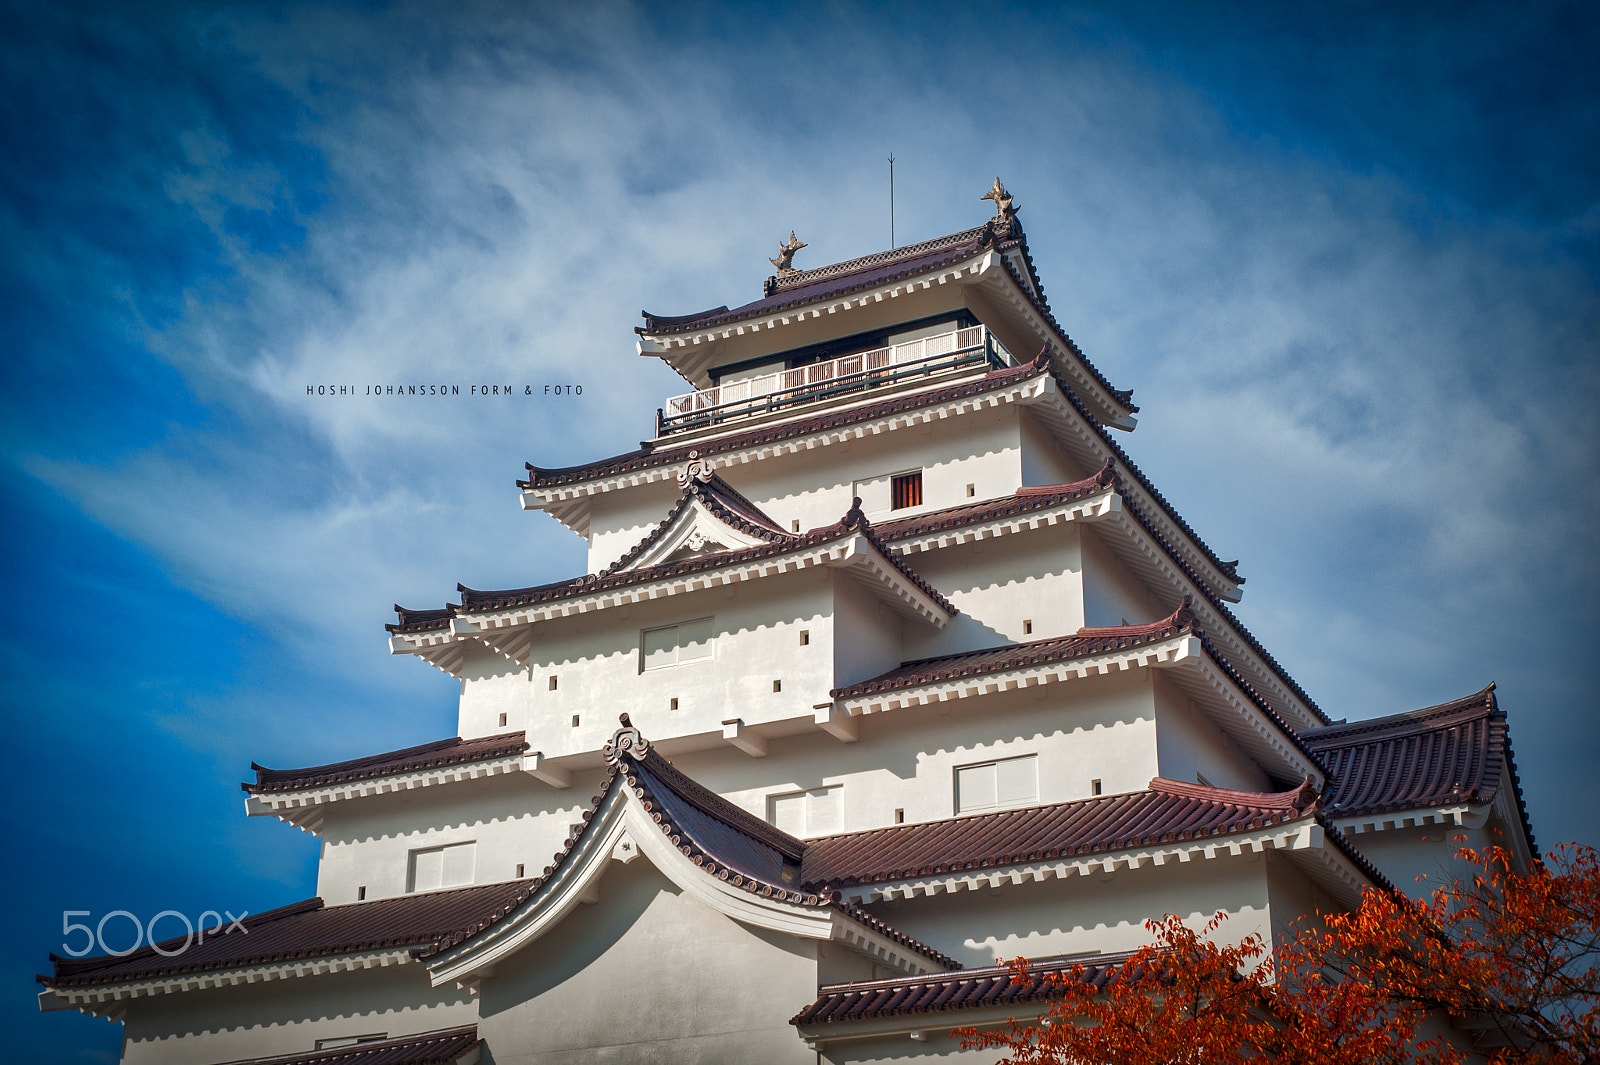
(889, 663)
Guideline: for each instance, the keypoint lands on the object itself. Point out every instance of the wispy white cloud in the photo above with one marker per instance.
(1390, 421)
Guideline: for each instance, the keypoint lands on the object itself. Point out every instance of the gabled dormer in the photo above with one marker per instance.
(710, 517)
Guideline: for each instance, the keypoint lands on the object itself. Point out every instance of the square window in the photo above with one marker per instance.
(502, 721)
(574, 720)
(905, 490)
(339, 1041)
(795, 525)
(777, 686)
(997, 785)
(805, 637)
(899, 816)
(972, 490)
(520, 868)
(673, 645)
(433, 868)
(552, 682)
(1027, 627)
(361, 894)
(1094, 787)
(808, 813)
(674, 702)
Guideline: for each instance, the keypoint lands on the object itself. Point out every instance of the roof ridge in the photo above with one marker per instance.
(1024, 653)
(699, 481)
(1180, 618)
(802, 278)
(355, 1052)
(635, 765)
(1076, 816)
(1300, 797)
(666, 455)
(1480, 703)
(309, 774)
(476, 601)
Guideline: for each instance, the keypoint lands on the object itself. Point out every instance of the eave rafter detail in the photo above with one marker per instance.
(303, 807)
(851, 547)
(1185, 658)
(111, 1000)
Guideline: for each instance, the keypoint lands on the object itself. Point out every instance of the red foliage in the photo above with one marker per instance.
(1494, 961)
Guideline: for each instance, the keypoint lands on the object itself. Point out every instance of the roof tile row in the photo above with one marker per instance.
(453, 751)
(473, 601)
(443, 1047)
(970, 989)
(1454, 753)
(1167, 812)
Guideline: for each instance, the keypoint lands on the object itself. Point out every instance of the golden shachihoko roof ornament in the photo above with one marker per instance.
(785, 260)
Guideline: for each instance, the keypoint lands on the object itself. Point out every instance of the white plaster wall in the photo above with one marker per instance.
(1188, 743)
(868, 636)
(936, 1045)
(1043, 461)
(513, 819)
(649, 974)
(1110, 592)
(909, 306)
(1296, 901)
(595, 660)
(288, 1016)
(998, 584)
(491, 685)
(1103, 912)
(815, 487)
(1094, 728)
(1405, 854)
(619, 520)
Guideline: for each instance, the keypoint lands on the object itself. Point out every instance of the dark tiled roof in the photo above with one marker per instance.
(827, 282)
(1024, 501)
(452, 751)
(306, 929)
(1167, 811)
(442, 1047)
(1083, 643)
(1453, 753)
(854, 520)
(970, 989)
(648, 457)
(1229, 568)
(809, 286)
(721, 499)
(722, 839)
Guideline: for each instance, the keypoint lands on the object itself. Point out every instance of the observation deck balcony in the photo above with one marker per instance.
(945, 354)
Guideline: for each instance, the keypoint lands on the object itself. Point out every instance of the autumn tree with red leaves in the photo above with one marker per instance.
(1503, 963)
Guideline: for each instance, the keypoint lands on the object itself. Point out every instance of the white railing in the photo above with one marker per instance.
(847, 373)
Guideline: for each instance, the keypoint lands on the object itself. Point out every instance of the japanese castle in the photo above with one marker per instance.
(889, 663)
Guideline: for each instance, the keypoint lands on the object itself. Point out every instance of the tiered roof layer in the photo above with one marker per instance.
(443, 1047)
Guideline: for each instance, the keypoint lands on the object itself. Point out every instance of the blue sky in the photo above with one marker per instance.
(1347, 255)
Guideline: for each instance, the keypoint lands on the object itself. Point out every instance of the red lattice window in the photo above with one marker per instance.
(905, 490)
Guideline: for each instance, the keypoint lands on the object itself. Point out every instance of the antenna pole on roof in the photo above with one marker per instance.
(891, 201)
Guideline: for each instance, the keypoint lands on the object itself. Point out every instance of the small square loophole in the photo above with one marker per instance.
(552, 682)
(805, 637)
(1027, 627)
(777, 685)
(574, 720)
(502, 721)
(674, 702)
